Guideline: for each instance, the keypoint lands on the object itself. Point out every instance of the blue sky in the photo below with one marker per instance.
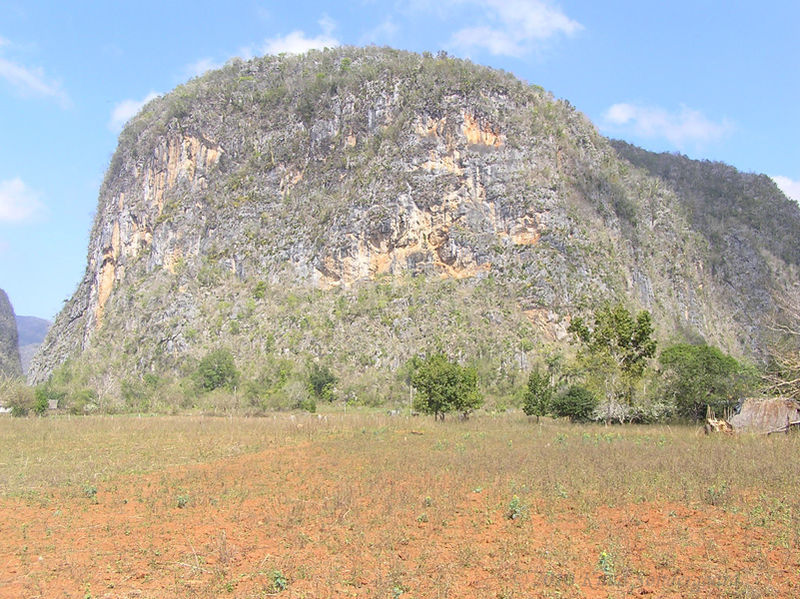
(711, 79)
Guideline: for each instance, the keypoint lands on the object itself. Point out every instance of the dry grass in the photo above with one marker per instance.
(371, 506)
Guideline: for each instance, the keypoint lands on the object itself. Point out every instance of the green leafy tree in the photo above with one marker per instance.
(538, 393)
(615, 331)
(697, 376)
(616, 350)
(444, 386)
(43, 395)
(321, 382)
(577, 403)
(217, 370)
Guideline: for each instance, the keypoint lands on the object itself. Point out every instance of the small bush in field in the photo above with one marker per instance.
(279, 581)
(577, 403)
(516, 509)
(20, 398)
(538, 393)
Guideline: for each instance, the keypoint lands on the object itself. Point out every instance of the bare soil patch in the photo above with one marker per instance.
(365, 508)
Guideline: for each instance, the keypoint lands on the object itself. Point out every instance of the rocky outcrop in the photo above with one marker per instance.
(9, 346)
(364, 204)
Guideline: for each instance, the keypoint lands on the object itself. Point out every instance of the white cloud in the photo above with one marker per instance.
(124, 110)
(297, 42)
(513, 27)
(31, 81)
(679, 128)
(385, 32)
(497, 42)
(789, 187)
(201, 66)
(18, 202)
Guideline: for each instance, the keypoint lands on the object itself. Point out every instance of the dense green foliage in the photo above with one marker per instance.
(538, 394)
(577, 403)
(137, 394)
(615, 332)
(217, 370)
(321, 381)
(699, 376)
(615, 350)
(19, 398)
(444, 386)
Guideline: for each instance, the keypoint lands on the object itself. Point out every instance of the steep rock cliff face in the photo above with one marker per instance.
(9, 347)
(367, 205)
(750, 226)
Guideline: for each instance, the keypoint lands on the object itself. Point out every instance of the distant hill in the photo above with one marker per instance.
(358, 206)
(32, 331)
(9, 346)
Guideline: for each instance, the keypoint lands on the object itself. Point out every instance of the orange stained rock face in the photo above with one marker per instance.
(431, 127)
(449, 163)
(187, 158)
(478, 133)
(105, 283)
(176, 159)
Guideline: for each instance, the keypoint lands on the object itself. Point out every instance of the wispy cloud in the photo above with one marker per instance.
(384, 32)
(124, 110)
(682, 127)
(513, 27)
(201, 66)
(788, 186)
(30, 81)
(18, 202)
(297, 42)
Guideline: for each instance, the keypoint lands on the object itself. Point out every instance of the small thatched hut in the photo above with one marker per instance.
(765, 414)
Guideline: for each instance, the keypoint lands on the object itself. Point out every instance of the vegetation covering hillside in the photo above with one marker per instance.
(351, 209)
(751, 227)
(9, 346)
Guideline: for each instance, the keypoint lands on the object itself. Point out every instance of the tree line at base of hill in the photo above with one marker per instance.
(617, 373)
(614, 376)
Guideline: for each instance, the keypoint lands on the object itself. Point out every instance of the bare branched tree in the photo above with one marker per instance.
(783, 376)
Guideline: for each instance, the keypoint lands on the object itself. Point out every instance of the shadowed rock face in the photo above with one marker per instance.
(9, 346)
(367, 204)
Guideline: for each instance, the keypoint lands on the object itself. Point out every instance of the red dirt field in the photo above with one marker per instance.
(367, 516)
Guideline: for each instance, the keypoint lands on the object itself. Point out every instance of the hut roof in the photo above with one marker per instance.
(765, 414)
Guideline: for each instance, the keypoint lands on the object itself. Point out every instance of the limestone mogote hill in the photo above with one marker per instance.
(359, 206)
